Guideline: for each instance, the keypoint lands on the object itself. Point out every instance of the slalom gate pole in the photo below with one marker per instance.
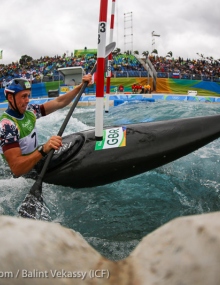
(109, 73)
(102, 27)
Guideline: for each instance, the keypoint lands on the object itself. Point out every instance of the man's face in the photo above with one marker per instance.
(22, 100)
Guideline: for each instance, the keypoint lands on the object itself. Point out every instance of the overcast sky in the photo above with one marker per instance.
(50, 27)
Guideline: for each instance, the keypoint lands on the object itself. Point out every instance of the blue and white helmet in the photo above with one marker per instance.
(16, 85)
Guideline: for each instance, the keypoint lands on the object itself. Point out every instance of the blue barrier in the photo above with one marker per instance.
(169, 97)
(148, 100)
(118, 102)
(158, 97)
(38, 90)
(3, 105)
(206, 99)
(2, 96)
(115, 97)
(176, 97)
(202, 99)
(186, 98)
(88, 98)
(122, 98)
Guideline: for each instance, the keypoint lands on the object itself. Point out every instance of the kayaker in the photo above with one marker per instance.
(18, 134)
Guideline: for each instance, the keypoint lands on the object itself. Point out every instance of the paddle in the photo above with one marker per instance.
(32, 206)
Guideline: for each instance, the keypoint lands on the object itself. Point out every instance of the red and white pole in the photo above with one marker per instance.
(109, 73)
(101, 69)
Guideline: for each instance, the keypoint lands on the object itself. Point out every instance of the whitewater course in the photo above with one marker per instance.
(159, 227)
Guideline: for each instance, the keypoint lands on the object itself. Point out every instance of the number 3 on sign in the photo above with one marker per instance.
(102, 30)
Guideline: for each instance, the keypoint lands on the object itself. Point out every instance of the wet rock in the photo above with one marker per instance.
(183, 251)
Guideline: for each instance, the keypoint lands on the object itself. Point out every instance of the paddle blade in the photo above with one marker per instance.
(33, 206)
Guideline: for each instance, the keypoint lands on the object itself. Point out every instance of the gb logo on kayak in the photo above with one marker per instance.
(115, 137)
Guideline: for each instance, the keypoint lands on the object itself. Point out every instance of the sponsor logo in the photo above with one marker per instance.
(28, 125)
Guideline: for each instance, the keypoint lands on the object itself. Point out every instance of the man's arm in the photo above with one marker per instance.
(22, 164)
(61, 101)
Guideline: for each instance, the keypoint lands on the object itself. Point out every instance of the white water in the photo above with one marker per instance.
(114, 218)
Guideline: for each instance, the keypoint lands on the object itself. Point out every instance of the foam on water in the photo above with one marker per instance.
(113, 218)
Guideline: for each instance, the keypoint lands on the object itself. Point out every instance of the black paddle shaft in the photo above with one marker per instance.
(36, 189)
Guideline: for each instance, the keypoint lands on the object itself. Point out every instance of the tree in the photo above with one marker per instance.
(155, 51)
(145, 53)
(116, 51)
(201, 55)
(136, 52)
(25, 58)
(169, 54)
(127, 52)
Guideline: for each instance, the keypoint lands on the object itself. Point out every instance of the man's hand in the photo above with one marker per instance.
(55, 142)
(87, 78)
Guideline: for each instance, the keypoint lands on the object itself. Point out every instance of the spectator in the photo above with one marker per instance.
(126, 65)
(147, 89)
(139, 88)
(121, 88)
(133, 88)
(4, 83)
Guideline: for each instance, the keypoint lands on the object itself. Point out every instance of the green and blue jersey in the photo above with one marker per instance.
(20, 131)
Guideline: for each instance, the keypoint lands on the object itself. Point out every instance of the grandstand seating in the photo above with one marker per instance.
(123, 65)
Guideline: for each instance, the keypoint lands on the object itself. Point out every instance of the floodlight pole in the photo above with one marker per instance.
(153, 40)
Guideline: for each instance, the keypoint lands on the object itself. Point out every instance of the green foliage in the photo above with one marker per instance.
(117, 51)
(145, 53)
(25, 58)
(155, 51)
(127, 52)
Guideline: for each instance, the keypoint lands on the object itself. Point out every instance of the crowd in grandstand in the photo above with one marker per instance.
(47, 67)
(188, 69)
